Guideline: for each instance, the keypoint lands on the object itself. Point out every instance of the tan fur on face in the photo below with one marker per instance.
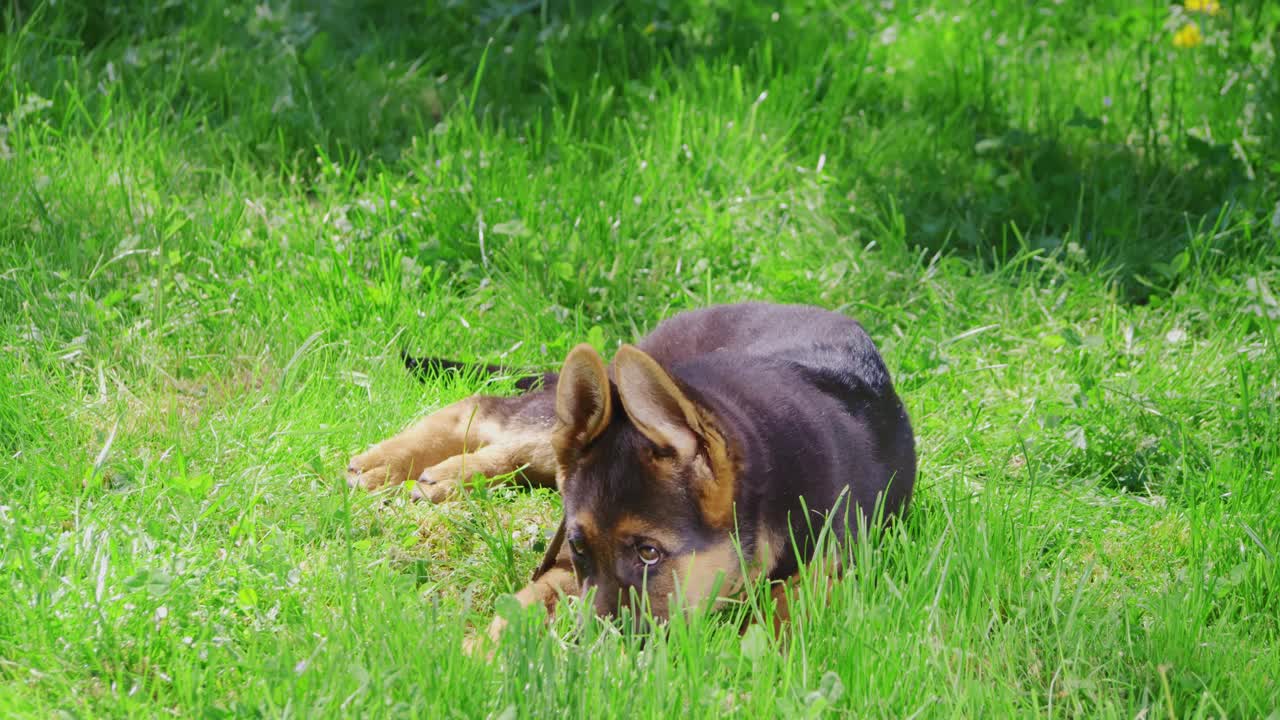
(698, 573)
(586, 524)
(715, 496)
(630, 526)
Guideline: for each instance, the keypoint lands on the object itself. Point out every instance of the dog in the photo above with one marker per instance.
(703, 457)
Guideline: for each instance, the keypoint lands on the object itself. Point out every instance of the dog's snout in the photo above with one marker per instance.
(607, 597)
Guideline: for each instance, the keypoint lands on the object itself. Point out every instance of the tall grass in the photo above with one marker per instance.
(219, 223)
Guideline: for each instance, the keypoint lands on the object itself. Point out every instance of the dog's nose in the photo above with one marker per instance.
(606, 606)
(641, 624)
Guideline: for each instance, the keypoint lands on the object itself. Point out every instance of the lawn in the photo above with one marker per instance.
(221, 222)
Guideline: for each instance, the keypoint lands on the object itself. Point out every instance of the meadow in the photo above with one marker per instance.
(220, 223)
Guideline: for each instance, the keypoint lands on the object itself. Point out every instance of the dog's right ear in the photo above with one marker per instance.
(583, 399)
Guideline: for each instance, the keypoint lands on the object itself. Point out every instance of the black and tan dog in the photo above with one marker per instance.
(742, 423)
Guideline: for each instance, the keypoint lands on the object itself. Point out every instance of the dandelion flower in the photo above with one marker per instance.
(1205, 6)
(1188, 36)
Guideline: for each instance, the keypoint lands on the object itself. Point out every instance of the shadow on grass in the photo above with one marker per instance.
(360, 82)
(997, 190)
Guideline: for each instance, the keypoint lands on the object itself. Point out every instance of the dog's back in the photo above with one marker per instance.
(811, 394)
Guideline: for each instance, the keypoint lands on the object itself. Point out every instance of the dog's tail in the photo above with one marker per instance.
(426, 367)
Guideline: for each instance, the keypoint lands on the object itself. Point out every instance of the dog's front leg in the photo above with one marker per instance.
(554, 578)
(492, 436)
(438, 436)
(524, 448)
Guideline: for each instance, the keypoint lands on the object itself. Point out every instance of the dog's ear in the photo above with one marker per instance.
(662, 412)
(656, 405)
(583, 398)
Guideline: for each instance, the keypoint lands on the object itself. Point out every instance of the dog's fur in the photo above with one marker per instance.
(740, 423)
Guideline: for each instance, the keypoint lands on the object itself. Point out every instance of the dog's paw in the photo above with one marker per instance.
(376, 468)
(435, 484)
(477, 646)
(484, 645)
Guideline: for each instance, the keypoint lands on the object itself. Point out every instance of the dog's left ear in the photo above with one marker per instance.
(655, 404)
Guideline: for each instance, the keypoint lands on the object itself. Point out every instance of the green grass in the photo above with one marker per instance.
(218, 226)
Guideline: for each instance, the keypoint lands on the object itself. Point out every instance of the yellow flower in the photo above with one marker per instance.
(1205, 6)
(1188, 36)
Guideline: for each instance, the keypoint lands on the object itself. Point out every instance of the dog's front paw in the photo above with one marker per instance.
(484, 645)
(435, 484)
(478, 646)
(376, 468)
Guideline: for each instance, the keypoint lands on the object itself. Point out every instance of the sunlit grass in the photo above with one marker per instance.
(219, 225)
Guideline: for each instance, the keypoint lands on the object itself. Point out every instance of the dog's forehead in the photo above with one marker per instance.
(620, 524)
(609, 492)
(611, 481)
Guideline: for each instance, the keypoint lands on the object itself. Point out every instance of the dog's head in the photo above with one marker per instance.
(647, 479)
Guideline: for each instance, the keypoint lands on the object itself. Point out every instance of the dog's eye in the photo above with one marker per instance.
(648, 554)
(576, 546)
